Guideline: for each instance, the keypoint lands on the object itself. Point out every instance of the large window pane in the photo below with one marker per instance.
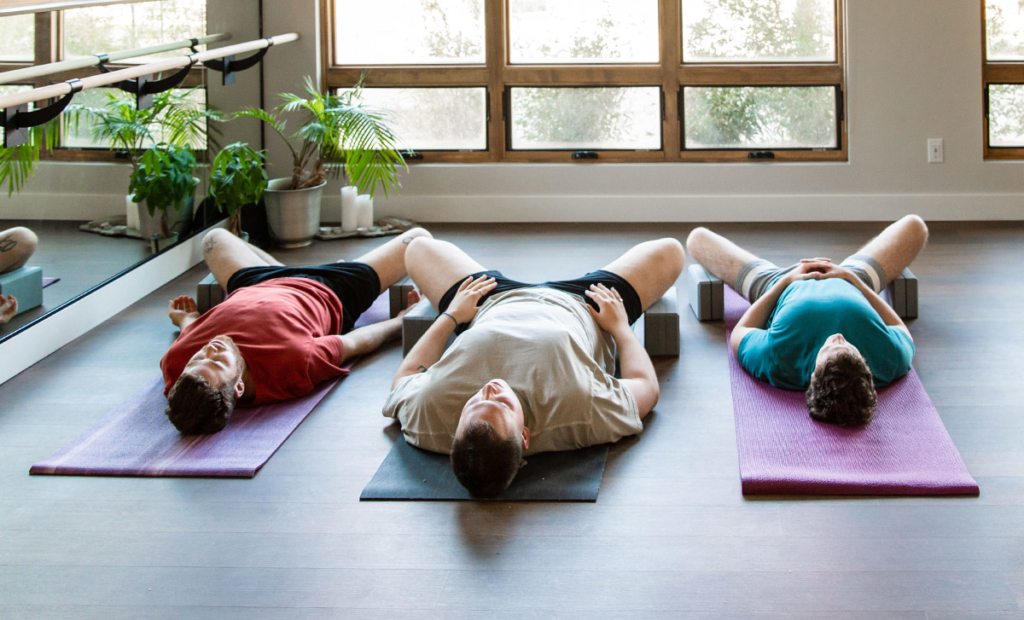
(1005, 29)
(17, 37)
(434, 119)
(388, 32)
(102, 29)
(583, 31)
(1006, 115)
(759, 30)
(586, 118)
(98, 98)
(759, 117)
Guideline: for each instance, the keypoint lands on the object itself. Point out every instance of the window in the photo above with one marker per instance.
(1003, 74)
(53, 36)
(605, 80)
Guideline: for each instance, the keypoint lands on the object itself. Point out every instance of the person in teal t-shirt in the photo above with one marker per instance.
(818, 326)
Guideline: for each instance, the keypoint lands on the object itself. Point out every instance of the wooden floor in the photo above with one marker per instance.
(81, 260)
(670, 537)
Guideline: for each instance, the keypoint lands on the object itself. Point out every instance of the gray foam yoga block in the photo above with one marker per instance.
(26, 284)
(706, 294)
(416, 322)
(902, 294)
(661, 326)
(208, 293)
(399, 295)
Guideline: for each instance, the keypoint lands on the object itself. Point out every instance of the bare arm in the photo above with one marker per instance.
(369, 338)
(637, 370)
(430, 347)
(756, 316)
(183, 312)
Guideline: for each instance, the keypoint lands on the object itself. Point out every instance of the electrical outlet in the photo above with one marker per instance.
(935, 150)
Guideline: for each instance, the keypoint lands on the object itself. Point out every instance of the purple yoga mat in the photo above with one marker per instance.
(137, 440)
(905, 450)
(49, 281)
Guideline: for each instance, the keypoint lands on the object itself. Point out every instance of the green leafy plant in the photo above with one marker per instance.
(237, 178)
(174, 119)
(163, 179)
(18, 164)
(336, 129)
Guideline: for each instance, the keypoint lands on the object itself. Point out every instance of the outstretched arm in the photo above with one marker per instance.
(637, 370)
(430, 347)
(183, 311)
(369, 338)
(756, 316)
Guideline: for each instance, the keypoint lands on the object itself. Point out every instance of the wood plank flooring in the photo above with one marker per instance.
(670, 537)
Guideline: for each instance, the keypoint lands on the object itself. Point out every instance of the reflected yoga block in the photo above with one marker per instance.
(707, 295)
(660, 329)
(26, 284)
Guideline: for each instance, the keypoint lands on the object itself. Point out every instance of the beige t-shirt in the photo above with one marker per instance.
(545, 344)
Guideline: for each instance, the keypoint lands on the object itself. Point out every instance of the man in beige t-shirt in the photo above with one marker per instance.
(532, 369)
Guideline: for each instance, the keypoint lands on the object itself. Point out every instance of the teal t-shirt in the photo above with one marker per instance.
(808, 312)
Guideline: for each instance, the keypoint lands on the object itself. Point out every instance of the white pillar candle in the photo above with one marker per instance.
(131, 213)
(364, 207)
(349, 210)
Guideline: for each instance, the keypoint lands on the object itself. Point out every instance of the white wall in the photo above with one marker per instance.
(914, 73)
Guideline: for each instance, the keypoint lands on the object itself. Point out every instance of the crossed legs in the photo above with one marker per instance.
(651, 267)
(225, 254)
(893, 250)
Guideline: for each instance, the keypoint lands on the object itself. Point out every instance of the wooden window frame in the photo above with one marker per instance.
(49, 41)
(670, 74)
(993, 73)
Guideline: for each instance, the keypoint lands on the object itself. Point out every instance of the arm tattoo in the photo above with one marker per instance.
(422, 369)
(208, 246)
(8, 243)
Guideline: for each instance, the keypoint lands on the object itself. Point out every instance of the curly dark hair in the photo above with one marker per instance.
(483, 461)
(842, 391)
(197, 408)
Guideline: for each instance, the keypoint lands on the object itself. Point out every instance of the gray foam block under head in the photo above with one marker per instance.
(26, 285)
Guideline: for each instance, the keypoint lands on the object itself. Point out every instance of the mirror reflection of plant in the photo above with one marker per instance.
(174, 118)
(163, 179)
(18, 164)
(337, 129)
(237, 178)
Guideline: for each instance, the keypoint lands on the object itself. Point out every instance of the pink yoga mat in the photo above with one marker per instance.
(905, 450)
(136, 439)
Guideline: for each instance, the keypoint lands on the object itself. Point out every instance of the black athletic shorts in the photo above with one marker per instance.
(630, 298)
(357, 285)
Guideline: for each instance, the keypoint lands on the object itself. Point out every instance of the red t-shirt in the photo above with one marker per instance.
(286, 330)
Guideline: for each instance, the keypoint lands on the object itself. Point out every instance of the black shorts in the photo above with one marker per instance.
(357, 285)
(630, 298)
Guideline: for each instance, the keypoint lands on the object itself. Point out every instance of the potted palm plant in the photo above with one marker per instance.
(163, 181)
(174, 119)
(237, 179)
(336, 129)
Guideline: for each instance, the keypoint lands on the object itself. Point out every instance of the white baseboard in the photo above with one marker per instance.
(64, 325)
(710, 208)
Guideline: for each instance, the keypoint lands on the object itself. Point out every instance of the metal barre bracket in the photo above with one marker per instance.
(229, 66)
(145, 87)
(18, 120)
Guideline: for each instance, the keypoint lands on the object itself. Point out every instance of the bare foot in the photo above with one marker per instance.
(8, 308)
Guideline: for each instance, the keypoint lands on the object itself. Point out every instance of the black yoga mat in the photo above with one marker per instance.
(409, 473)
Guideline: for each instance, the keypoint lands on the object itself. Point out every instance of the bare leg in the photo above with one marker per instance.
(436, 265)
(897, 246)
(652, 267)
(388, 260)
(225, 254)
(16, 246)
(723, 258)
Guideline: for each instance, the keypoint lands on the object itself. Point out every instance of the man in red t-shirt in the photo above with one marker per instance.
(280, 332)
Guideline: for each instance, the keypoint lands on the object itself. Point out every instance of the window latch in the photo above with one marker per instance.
(584, 155)
(761, 155)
